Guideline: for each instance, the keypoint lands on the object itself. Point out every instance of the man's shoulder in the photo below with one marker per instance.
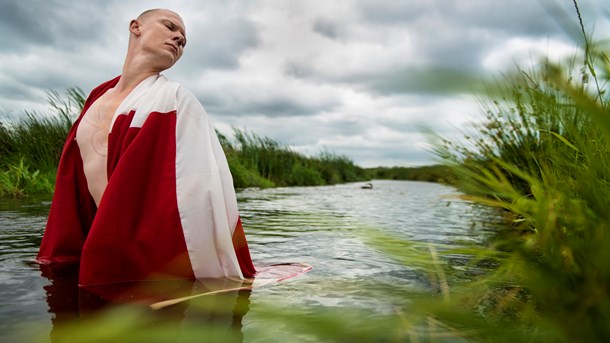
(166, 85)
(176, 94)
(105, 85)
(186, 101)
(182, 93)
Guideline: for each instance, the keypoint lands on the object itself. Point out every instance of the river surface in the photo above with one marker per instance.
(327, 227)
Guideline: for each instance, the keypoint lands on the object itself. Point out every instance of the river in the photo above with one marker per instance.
(327, 227)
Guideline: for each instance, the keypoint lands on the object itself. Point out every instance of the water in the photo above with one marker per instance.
(326, 227)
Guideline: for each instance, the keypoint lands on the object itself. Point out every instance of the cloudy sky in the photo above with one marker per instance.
(355, 77)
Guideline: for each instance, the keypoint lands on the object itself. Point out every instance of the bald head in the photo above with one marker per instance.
(149, 13)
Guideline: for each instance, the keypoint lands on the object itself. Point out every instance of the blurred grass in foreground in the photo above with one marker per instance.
(542, 156)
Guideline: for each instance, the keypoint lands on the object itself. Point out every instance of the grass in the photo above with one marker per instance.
(542, 157)
(30, 146)
(257, 161)
(18, 180)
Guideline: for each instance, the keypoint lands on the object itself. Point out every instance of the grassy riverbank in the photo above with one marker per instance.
(257, 161)
(31, 145)
(542, 157)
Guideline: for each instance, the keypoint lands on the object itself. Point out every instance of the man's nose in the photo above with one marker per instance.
(179, 38)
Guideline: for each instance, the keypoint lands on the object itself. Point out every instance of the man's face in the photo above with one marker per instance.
(163, 35)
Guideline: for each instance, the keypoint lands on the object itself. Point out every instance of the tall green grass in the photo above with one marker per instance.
(31, 144)
(263, 162)
(542, 157)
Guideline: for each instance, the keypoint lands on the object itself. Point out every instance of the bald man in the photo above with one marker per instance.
(143, 187)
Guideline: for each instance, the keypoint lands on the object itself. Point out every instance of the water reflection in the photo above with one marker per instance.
(72, 306)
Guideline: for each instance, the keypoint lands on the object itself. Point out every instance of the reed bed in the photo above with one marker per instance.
(542, 158)
(31, 145)
(262, 162)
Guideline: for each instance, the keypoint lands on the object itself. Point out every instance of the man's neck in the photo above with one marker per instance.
(134, 71)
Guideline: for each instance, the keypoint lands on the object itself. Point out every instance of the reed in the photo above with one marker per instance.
(256, 158)
(30, 145)
(542, 157)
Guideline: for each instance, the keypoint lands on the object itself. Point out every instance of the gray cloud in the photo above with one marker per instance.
(433, 79)
(356, 77)
(515, 17)
(276, 106)
(327, 28)
(62, 24)
(217, 42)
(16, 90)
(299, 69)
(451, 40)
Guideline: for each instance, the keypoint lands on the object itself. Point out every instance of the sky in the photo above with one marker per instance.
(359, 78)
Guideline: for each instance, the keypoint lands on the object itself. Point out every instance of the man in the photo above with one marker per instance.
(143, 187)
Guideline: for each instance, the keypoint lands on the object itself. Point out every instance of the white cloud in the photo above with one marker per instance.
(527, 52)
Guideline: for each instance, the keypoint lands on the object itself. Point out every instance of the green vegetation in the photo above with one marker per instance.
(262, 162)
(542, 156)
(434, 173)
(30, 148)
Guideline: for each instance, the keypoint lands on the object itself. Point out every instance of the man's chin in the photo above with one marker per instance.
(166, 64)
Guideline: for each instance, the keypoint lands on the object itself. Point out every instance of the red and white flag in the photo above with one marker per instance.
(169, 209)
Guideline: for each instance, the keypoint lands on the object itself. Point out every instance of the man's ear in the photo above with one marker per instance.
(134, 27)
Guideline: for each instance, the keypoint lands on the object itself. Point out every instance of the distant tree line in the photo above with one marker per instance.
(433, 173)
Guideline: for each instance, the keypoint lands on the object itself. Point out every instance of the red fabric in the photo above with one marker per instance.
(72, 209)
(136, 233)
(243, 252)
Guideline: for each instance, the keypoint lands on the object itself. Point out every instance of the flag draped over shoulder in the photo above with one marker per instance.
(169, 209)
